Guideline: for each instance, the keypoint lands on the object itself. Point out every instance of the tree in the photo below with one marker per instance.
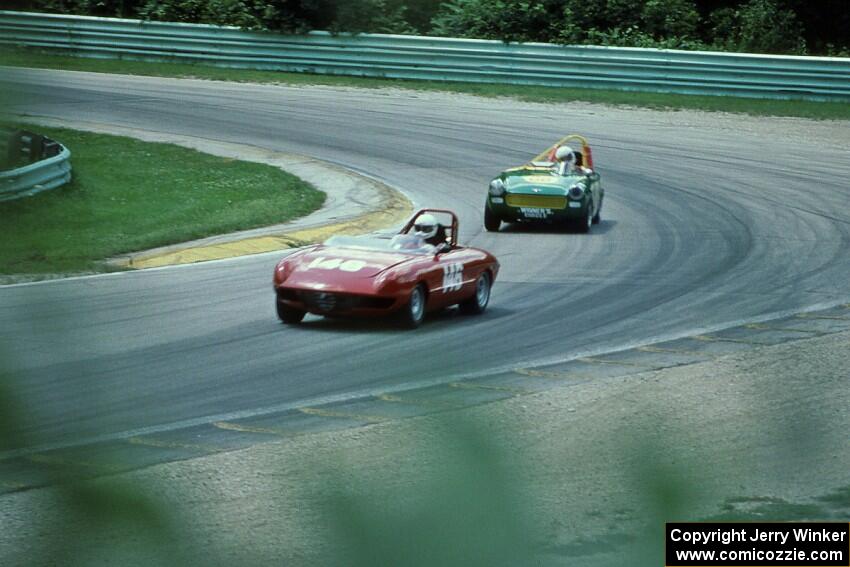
(526, 20)
(373, 16)
(826, 23)
(221, 12)
(670, 18)
(759, 26)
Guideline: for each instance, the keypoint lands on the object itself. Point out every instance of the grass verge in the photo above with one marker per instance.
(128, 195)
(758, 107)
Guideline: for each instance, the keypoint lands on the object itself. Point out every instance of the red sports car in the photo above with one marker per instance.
(420, 269)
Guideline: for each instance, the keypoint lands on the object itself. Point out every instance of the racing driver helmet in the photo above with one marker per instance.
(425, 227)
(566, 158)
(565, 154)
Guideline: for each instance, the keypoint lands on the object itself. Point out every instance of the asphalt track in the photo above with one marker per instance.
(704, 226)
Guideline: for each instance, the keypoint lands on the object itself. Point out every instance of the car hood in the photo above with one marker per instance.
(530, 181)
(331, 263)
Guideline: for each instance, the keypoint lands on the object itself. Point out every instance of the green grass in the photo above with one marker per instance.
(803, 109)
(128, 195)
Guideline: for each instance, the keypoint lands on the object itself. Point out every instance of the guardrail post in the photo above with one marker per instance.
(31, 146)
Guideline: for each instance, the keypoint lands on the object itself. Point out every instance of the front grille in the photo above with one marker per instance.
(375, 302)
(330, 302)
(286, 293)
(537, 201)
(319, 300)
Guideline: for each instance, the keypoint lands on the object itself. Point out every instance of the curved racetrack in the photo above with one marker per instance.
(705, 224)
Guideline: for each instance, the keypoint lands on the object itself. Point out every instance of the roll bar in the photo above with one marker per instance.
(549, 153)
(453, 237)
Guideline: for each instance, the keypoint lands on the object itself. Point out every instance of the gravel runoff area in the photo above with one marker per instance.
(586, 473)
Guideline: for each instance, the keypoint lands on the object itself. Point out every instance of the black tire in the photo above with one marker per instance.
(583, 225)
(413, 313)
(476, 304)
(289, 315)
(491, 222)
(597, 218)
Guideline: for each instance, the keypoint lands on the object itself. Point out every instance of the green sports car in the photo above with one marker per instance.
(557, 186)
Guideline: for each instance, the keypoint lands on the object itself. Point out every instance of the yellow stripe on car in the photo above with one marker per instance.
(540, 201)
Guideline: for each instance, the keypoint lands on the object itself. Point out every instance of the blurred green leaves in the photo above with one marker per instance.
(464, 508)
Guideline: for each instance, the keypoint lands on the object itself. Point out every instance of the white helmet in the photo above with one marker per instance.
(425, 226)
(565, 154)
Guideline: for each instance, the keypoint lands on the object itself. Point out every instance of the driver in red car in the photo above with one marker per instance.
(432, 232)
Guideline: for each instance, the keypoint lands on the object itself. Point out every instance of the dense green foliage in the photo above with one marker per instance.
(761, 26)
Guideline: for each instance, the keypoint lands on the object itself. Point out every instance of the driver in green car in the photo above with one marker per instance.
(569, 161)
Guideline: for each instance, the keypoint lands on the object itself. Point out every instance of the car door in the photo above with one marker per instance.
(457, 275)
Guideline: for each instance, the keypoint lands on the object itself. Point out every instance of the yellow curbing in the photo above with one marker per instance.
(396, 209)
(228, 426)
(155, 443)
(763, 327)
(392, 398)
(471, 386)
(553, 375)
(712, 339)
(825, 317)
(322, 412)
(651, 348)
(594, 360)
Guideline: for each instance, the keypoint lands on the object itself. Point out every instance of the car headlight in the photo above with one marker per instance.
(497, 188)
(576, 192)
(281, 272)
(384, 278)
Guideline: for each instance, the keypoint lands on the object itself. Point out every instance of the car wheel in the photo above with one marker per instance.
(289, 315)
(491, 221)
(584, 224)
(478, 302)
(413, 313)
(597, 218)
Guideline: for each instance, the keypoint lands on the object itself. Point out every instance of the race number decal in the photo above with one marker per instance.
(322, 263)
(452, 277)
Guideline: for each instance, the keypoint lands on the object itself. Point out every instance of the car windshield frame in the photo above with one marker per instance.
(400, 243)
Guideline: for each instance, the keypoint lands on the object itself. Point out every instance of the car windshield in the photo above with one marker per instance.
(406, 243)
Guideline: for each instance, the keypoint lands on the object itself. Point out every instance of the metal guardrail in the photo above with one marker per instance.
(51, 170)
(443, 59)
